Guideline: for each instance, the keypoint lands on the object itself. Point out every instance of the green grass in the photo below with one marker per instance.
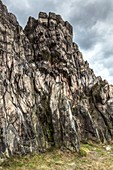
(91, 157)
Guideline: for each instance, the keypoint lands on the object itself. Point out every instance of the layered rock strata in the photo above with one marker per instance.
(48, 94)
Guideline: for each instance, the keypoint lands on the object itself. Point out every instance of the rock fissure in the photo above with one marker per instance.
(49, 96)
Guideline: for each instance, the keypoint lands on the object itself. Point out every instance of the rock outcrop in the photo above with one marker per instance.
(48, 94)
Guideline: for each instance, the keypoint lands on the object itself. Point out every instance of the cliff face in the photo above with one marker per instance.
(48, 94)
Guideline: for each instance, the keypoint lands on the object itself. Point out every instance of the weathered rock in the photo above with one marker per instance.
(48, 94)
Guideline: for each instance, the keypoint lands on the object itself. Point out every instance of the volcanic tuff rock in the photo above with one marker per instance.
(48, 94)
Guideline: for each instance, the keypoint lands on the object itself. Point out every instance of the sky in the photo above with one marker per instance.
(92, 21)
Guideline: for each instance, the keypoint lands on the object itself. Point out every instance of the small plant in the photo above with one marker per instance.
(84, 151)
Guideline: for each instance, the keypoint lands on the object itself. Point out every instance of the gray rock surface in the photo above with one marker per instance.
(49, 97)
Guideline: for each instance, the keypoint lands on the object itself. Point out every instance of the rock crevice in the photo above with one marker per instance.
(49, 96)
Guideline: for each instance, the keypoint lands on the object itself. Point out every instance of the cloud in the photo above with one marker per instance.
(90, 19)
(25, 8)
(92, 22)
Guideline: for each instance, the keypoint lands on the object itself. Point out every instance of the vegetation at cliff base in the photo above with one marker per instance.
(91, 157)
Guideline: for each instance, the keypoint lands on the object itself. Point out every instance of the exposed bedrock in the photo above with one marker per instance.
(49, 97)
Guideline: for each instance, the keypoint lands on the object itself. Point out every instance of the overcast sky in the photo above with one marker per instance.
(92, 21)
